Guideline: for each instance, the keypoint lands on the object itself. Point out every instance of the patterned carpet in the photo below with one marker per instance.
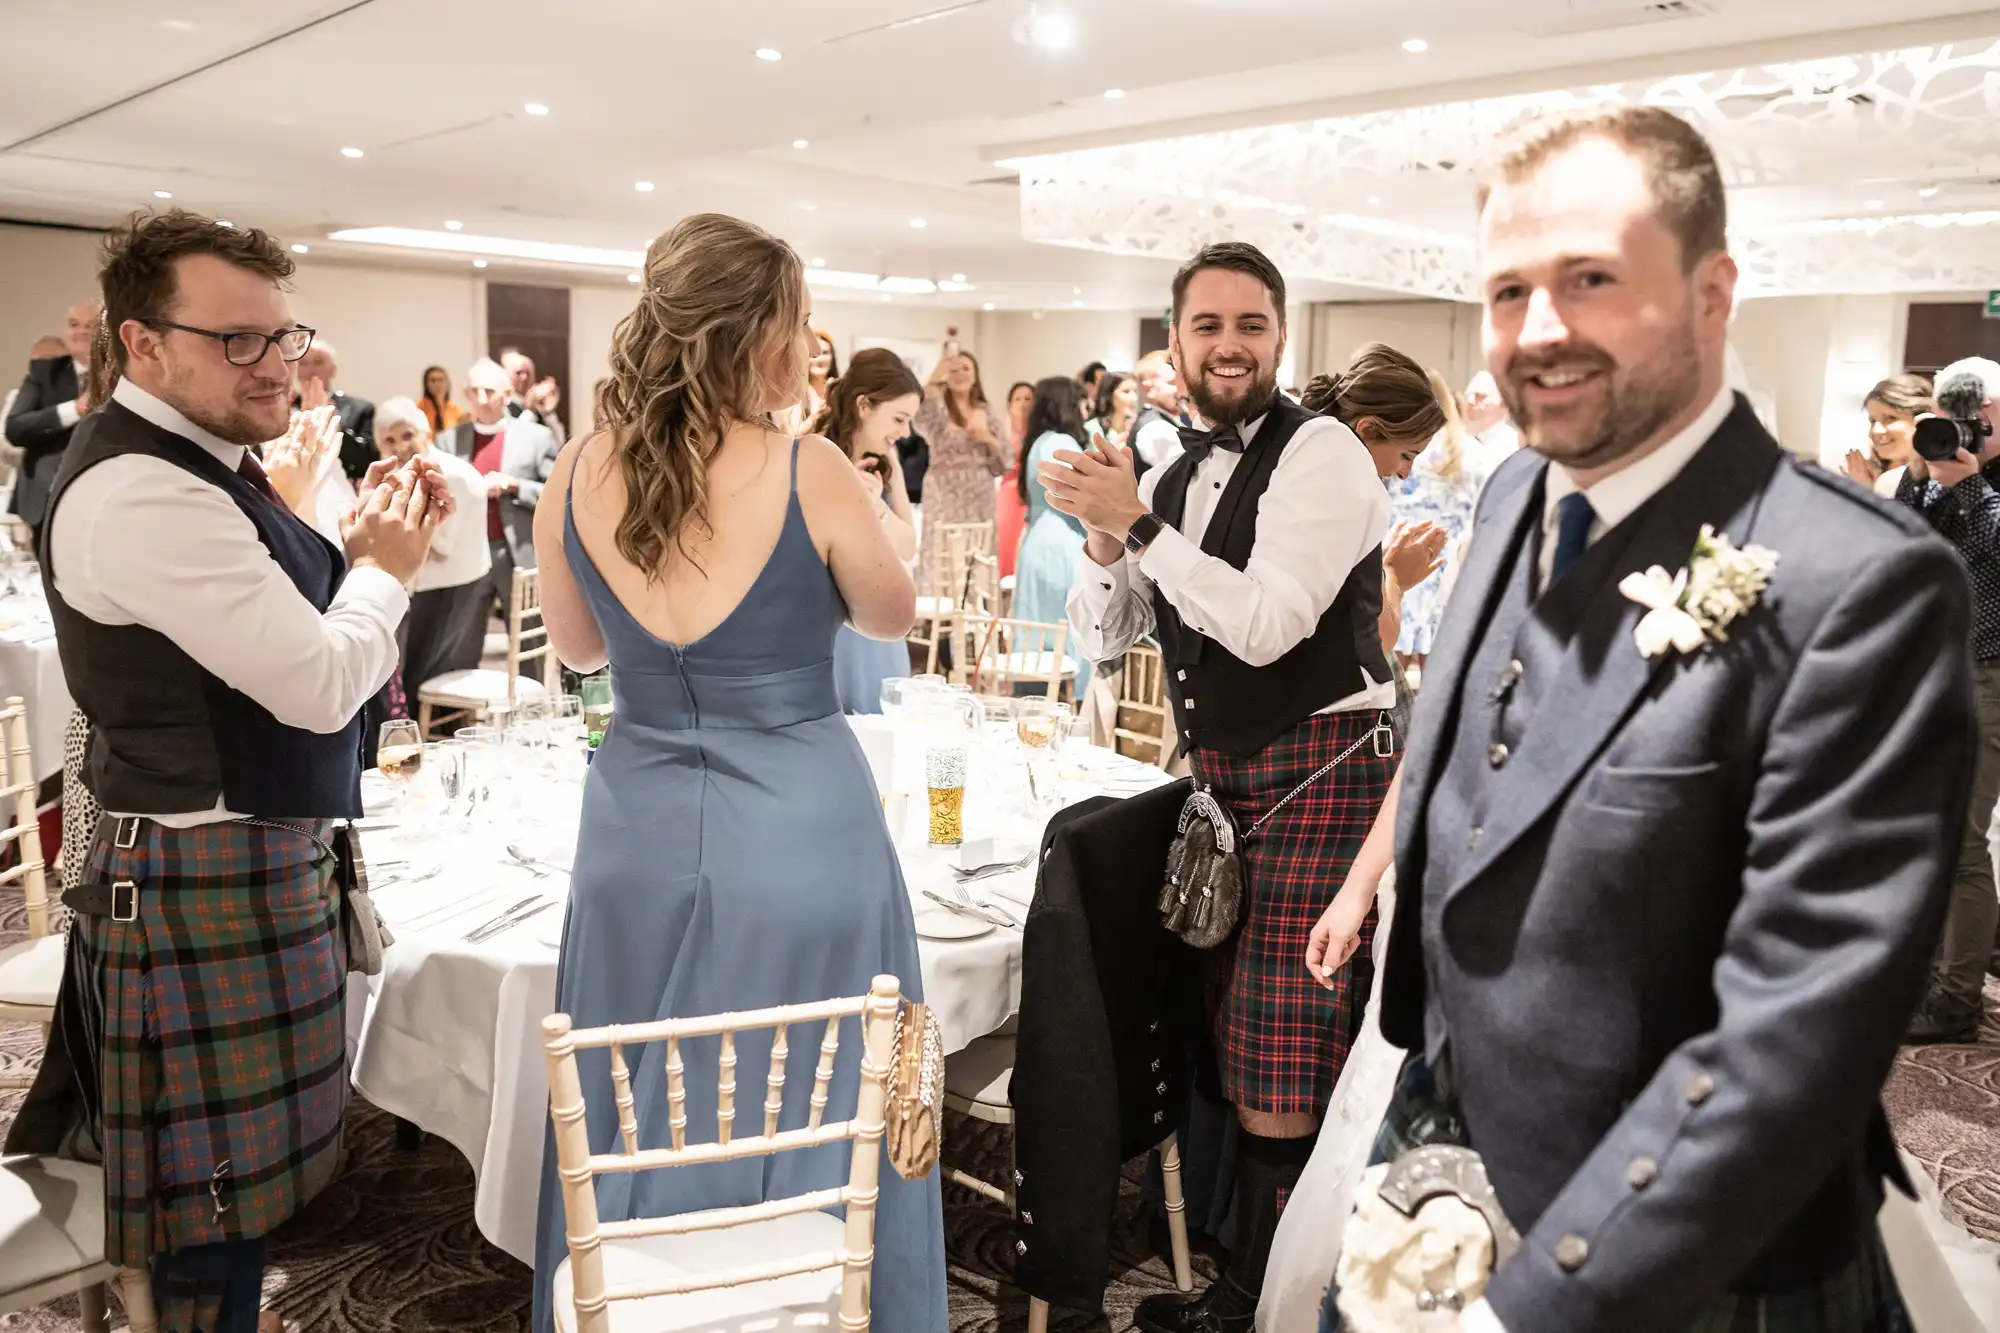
(391, 1246)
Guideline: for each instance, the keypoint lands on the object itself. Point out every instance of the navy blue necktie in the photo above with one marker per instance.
(1573, 519)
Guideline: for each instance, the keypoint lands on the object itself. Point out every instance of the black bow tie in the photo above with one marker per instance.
(1199, 443)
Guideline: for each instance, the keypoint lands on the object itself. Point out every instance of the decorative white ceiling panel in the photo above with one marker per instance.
(1384, 199)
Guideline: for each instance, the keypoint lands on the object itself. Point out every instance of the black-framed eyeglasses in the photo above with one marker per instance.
(247, 349)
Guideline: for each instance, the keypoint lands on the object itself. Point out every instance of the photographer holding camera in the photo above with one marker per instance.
(1954, 482)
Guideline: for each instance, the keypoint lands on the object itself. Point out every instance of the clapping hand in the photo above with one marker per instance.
(295, 460)
(544, 397)
(1098, 488)
(1862, 468)
(313, 393)
(1414, 551)
(399, 513)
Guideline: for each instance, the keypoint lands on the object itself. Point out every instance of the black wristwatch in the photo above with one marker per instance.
(1144, 528)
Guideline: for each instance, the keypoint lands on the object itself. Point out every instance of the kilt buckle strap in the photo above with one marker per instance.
(124, 901)
(126, 836)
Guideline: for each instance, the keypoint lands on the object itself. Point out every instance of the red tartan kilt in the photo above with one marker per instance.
(1281, 1037)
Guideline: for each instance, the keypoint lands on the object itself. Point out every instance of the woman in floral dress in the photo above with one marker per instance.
(969, 449)
(1443, 486)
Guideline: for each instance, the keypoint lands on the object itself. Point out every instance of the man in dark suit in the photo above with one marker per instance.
(529, 397)
(1668, 889)
(46, 409)
(357, 415)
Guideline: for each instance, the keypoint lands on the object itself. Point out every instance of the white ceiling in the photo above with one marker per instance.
(241, 110)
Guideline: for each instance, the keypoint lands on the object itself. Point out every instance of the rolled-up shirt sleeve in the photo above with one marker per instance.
(1111, 606)
(140, 541)
(1324, 510)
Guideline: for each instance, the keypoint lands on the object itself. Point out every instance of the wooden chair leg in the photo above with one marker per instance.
(96, 1312)
(1038, 1315)
(424, 720)
(1177, 1233)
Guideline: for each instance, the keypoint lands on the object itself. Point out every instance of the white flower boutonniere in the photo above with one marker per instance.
(1696, 606)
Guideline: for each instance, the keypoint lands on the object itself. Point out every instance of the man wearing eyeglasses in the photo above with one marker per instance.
(222, 651)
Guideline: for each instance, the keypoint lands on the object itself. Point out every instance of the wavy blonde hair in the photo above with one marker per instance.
(716, 334)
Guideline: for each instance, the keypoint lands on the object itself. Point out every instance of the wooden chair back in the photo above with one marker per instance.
(25, 834)
(528, 646)
(1143, 723)
(577, 1165)
(998, 653)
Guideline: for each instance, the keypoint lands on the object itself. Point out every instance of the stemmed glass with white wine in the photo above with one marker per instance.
(400, 755)
(1038, 725)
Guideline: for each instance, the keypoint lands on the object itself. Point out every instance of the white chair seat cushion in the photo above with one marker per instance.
(493, 648)
(1007, 582)
(981, 1072)
(934, 606)
(1032, 664)
(477, 687)
(51, 1228)
(806, 1301)
(30, 972)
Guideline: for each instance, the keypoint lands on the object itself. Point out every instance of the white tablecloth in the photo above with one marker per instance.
(449, 1035)
(30, 668)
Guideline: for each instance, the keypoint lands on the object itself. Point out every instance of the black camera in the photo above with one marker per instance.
(1959, 423)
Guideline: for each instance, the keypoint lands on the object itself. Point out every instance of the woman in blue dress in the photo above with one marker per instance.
(867, 411)
(1442, 487)
(1054, 540)
(732, 853)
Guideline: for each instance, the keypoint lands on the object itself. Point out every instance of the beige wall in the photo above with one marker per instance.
(1443, 335)
(43, 271)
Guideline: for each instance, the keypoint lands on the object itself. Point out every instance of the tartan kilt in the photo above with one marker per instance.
(1281, 1037)
(222, 1069)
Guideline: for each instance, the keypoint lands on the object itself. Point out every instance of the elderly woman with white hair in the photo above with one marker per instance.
(446, 627)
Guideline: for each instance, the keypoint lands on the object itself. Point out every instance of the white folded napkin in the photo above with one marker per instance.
(1017, 888)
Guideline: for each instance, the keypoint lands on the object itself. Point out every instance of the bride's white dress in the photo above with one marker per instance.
(1950, 1279)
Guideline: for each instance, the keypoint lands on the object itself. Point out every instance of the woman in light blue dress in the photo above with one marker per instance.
(867, 411)
(732, 853)
(1054, 540)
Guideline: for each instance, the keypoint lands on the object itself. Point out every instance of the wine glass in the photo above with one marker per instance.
(481, 746)
(1038, 726)
(399, 753)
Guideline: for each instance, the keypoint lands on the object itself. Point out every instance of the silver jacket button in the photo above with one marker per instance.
(1699, 1089)
(1571, 1251)
(1496, 755)
(1641, 1172)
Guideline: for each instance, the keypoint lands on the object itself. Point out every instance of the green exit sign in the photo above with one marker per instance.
(1993, 305)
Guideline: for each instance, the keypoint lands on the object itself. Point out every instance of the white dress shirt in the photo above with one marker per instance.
(1323, 512)
(140, 541)
(459, 553)
(1158, 443)
(1613, 499)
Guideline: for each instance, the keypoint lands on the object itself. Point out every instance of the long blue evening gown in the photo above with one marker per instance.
(1049, 553)
(733, 856)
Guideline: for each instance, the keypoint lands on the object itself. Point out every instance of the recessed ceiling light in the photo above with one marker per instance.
(479, 263)
(958, 277)
(454, 225)
(819, 263)
(770, 53)
(350, 152)
(987, 306)
(1873, 205)
(886, 298)
(1077, 304)
(1926, 191)
(919, 223)
(1114, 93)
(801, 143)
(643, 187)
(177, 25)
(535, 109)
(1416, 46)
(1051, 32)
(631, 277)
(300, 249)
(1374, 198)
(163, 194)
(805, 207)
(1076, 291)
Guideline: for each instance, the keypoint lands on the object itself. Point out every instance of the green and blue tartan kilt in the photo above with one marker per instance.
(222, 1073)
(1861, 1297)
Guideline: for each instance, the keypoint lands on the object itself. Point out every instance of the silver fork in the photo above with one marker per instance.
(501, 927)
(523, 908)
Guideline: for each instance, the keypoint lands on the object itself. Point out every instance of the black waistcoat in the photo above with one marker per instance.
(1220, 701)
(167, 736)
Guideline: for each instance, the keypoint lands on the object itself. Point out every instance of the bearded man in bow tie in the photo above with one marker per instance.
(1255, 556)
